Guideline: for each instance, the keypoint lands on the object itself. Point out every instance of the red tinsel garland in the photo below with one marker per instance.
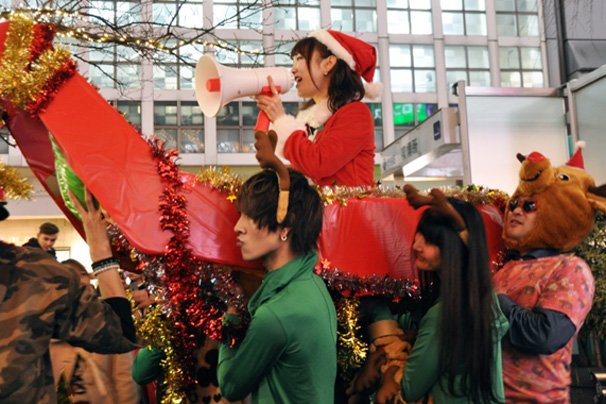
(197, 291)
(42, 40)
(405, 291)
(67, 70)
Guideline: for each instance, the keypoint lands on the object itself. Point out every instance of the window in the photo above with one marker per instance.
(354, 15)
(464, 17)
(517, 17)
(131, 111)
(118, 12)
(244, 54)
(114, 66)
(409, 17)
(520, 67)
(237, 14)
(188, 13)
(180, 123)
(407, 116)
(235, 130)
(236, 124)
(469, 63)
(173, 72)
(412, 68)
(294, 15)
(282, 52)
(377, 115)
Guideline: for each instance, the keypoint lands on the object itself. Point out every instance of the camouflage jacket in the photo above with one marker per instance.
(41, 299)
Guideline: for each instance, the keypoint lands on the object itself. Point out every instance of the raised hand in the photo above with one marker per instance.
(271, 103)
(94, 225)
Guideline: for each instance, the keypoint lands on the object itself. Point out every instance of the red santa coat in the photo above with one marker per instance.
(341, 152)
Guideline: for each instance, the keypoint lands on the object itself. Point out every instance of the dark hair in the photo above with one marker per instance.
(76, 265)
(48, 228)
(345, 84)
(465, 288)
(258, 199)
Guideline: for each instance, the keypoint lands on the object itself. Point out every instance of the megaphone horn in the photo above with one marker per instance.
(216, 85)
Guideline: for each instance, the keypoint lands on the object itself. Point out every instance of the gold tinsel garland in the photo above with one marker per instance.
(225, 180)
(14, 184)
(477, 195)
(351, 350)
(155, 330)
(222, 179)
(24, 80)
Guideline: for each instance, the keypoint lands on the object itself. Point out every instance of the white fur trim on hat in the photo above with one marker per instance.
(324, 37)
(373, 90)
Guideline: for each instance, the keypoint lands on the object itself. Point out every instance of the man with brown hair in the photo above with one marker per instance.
(45, 239)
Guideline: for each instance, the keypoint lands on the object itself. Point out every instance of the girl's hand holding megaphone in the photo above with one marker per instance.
(271, 103)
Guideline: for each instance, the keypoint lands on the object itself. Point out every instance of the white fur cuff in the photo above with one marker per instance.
(284, 126)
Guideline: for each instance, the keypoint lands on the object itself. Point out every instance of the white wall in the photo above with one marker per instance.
(591, 125)
(500, 127)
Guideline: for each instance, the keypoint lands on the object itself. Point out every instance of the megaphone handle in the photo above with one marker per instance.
(262, 122)
(262, 119)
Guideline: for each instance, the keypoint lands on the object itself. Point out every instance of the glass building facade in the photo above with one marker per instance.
(424, 46)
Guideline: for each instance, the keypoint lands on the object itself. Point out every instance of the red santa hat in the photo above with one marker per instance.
(577, 158)
(360, 56)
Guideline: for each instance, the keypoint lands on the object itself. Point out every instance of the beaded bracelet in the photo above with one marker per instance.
(104, 262)
(96, 272)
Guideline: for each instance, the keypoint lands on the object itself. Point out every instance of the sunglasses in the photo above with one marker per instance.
(528, 205)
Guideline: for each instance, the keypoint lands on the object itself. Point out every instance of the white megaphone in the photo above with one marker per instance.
(216, 85)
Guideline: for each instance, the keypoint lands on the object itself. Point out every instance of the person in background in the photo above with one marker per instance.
(331, 140)
(45, 239)
(457, 353)
(456, 357)
(42, 299)
(288, 354)
(545, 292)
(92, 377)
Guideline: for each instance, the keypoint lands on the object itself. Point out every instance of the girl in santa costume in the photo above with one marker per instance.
(331, 140)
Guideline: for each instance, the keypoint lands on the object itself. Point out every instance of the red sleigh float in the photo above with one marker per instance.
(365, 236)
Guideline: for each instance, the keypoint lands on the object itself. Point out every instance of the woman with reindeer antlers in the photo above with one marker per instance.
(289, 352)
(457, 354)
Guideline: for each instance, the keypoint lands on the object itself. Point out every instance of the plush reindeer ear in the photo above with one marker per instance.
(265, 143)
(597, 197)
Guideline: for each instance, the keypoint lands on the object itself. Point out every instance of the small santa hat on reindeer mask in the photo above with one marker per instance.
(577, 158)
(360, 56)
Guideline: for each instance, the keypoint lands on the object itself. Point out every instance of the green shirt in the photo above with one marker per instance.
(421, 373)
(289, 352)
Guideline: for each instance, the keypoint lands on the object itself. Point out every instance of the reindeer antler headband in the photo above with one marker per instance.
(265, 143)
(437, 201)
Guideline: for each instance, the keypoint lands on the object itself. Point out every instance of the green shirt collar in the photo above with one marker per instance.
(276, 280)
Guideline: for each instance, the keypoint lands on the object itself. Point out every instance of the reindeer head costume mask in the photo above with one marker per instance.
(566, 201)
